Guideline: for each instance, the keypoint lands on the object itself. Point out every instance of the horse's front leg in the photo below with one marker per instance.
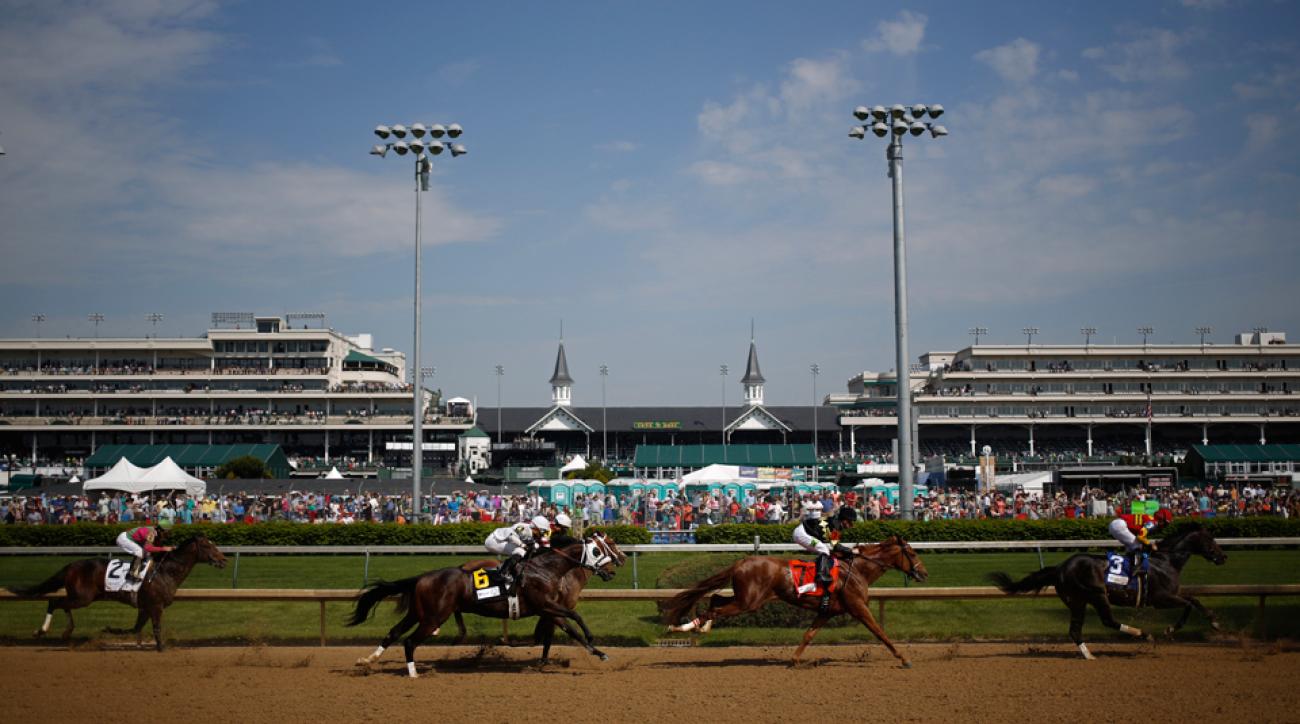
(140, 618)
(562, 616)
(155, 616)
(809, 634)
(857, 608)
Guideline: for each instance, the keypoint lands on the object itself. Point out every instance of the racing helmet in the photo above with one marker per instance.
(812, 510)
(846, 517)
(541, 523)
(563, 520)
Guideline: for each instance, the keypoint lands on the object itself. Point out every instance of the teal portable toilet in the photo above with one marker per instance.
(560, 494)
(732, 490)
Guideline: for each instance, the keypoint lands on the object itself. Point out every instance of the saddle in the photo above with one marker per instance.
(804, 575)
(490, 585)
(1122, 578)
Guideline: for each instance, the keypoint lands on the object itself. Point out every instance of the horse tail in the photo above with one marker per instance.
(1033, 582)
(679, 605)
(376, 592)
(49, 585)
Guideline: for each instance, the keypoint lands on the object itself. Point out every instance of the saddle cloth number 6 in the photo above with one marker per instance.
(480, 579)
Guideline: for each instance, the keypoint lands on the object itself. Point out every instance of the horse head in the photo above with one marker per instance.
(206, 551)
(1201, 542)
(908, 561)
(602, 555)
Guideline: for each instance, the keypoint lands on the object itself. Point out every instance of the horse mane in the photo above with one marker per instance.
(1175, 541)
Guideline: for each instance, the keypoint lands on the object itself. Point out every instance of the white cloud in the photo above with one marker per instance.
(1067, 186)
(1152, 55)
(1016, 62)
(722, 173)
(459, 71)
(809, 82)
(901, 36)
(1261, 131)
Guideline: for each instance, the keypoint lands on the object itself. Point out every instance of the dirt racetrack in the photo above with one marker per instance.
(967, 682)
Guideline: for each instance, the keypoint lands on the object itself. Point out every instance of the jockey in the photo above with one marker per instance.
(139, 542)
(820, 536)
(561, 531)
(515, 542)
(1133, 531)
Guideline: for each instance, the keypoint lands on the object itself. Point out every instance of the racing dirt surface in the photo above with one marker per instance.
(967, 682)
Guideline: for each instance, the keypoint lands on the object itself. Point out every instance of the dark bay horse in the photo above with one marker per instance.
(429, 599)
(758, 579)
(83, 582)
(1081, 581)
(570, 591)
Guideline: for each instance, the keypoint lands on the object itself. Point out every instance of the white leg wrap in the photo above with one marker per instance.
(1083, 649)
(375, 656)
(410, 669)
(435, 631)
(688, 626)
(1125, 628)
(45, 627)
(707, 627)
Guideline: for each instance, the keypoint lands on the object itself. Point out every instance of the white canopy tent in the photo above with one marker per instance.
(715, 473)
(129, 478)
(333, 474)
(577, 463)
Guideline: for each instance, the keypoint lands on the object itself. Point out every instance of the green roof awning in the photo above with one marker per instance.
(1248, 453)
(355, 356)
(474, 432)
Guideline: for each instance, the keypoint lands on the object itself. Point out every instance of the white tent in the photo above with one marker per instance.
(333, 474)
(122, 476)
(74, 480)
(167, 475)
(713, 473)
(577, 463)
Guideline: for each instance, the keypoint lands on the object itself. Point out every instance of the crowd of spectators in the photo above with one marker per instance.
(677, 511)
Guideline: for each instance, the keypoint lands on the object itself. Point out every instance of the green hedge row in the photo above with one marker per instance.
(997, 530)
(284, 534)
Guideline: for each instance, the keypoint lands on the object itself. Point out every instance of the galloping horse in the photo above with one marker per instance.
(758, 579)
(84, 584)
(1081, 580)
(430, 598)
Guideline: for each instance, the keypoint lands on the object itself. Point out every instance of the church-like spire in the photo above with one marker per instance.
(561, 382)
(753, 380)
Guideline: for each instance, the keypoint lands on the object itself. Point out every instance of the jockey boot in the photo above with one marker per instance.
(824, 580)
(134, 573)
(508, 574)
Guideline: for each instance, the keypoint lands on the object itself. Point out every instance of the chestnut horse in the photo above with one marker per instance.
(83, 582)
(758, 579)
(429, 599)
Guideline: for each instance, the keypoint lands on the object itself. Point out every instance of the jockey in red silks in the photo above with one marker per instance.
(1133, 531)
(140, 543)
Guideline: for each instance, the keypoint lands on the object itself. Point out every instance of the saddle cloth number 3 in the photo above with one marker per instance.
(1117, 565)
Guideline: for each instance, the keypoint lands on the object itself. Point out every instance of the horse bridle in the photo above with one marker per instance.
(908, 554)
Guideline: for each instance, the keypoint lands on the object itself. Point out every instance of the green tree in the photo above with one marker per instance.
(595, 470)
(243, 468)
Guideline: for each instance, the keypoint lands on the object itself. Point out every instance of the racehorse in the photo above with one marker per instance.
(427, 600)
(1081, 580)
(570, 590)
(83, 582)
(758, 579)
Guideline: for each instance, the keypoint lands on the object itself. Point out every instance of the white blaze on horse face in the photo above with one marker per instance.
(45, 627)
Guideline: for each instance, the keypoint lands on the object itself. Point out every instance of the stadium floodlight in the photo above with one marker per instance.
(1087, 333)
(857, 132)
(896, 123)
(1204, 331)
(458, 149)
(1146, 332)
(454, 130)
(1029, 333)
(977, 332)
(423, 150)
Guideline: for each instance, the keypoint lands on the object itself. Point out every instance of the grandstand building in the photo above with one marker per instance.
(288, 380)
(1091, 400)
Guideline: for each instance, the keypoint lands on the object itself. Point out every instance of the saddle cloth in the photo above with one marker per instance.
(489, 585)
(115, 579)
(804, 575)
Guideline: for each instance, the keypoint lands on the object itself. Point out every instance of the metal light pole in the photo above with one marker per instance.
(95, 318)
(903, 120)
(722, 370)
(39, 319)
(1145, 332)
(816, 369)
(154, 318)
(1029, 333)
(500, 373)
(1087, 333)
(422, 150)
(1204, 331)
(604, 420)
(977, 332)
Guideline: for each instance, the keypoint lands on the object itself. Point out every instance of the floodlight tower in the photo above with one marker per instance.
(422, 149)
(902, 121)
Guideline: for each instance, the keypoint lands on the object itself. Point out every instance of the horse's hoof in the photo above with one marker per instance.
(602, 657)
(907, 664)
(1215, 625)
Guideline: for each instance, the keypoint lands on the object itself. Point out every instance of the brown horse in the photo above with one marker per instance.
(83, 582)
(758, 579)
(427, 600)
(570, 591)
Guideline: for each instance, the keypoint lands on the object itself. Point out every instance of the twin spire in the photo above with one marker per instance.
(561, 382)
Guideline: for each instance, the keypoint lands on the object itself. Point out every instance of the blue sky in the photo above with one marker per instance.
(653, 174)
